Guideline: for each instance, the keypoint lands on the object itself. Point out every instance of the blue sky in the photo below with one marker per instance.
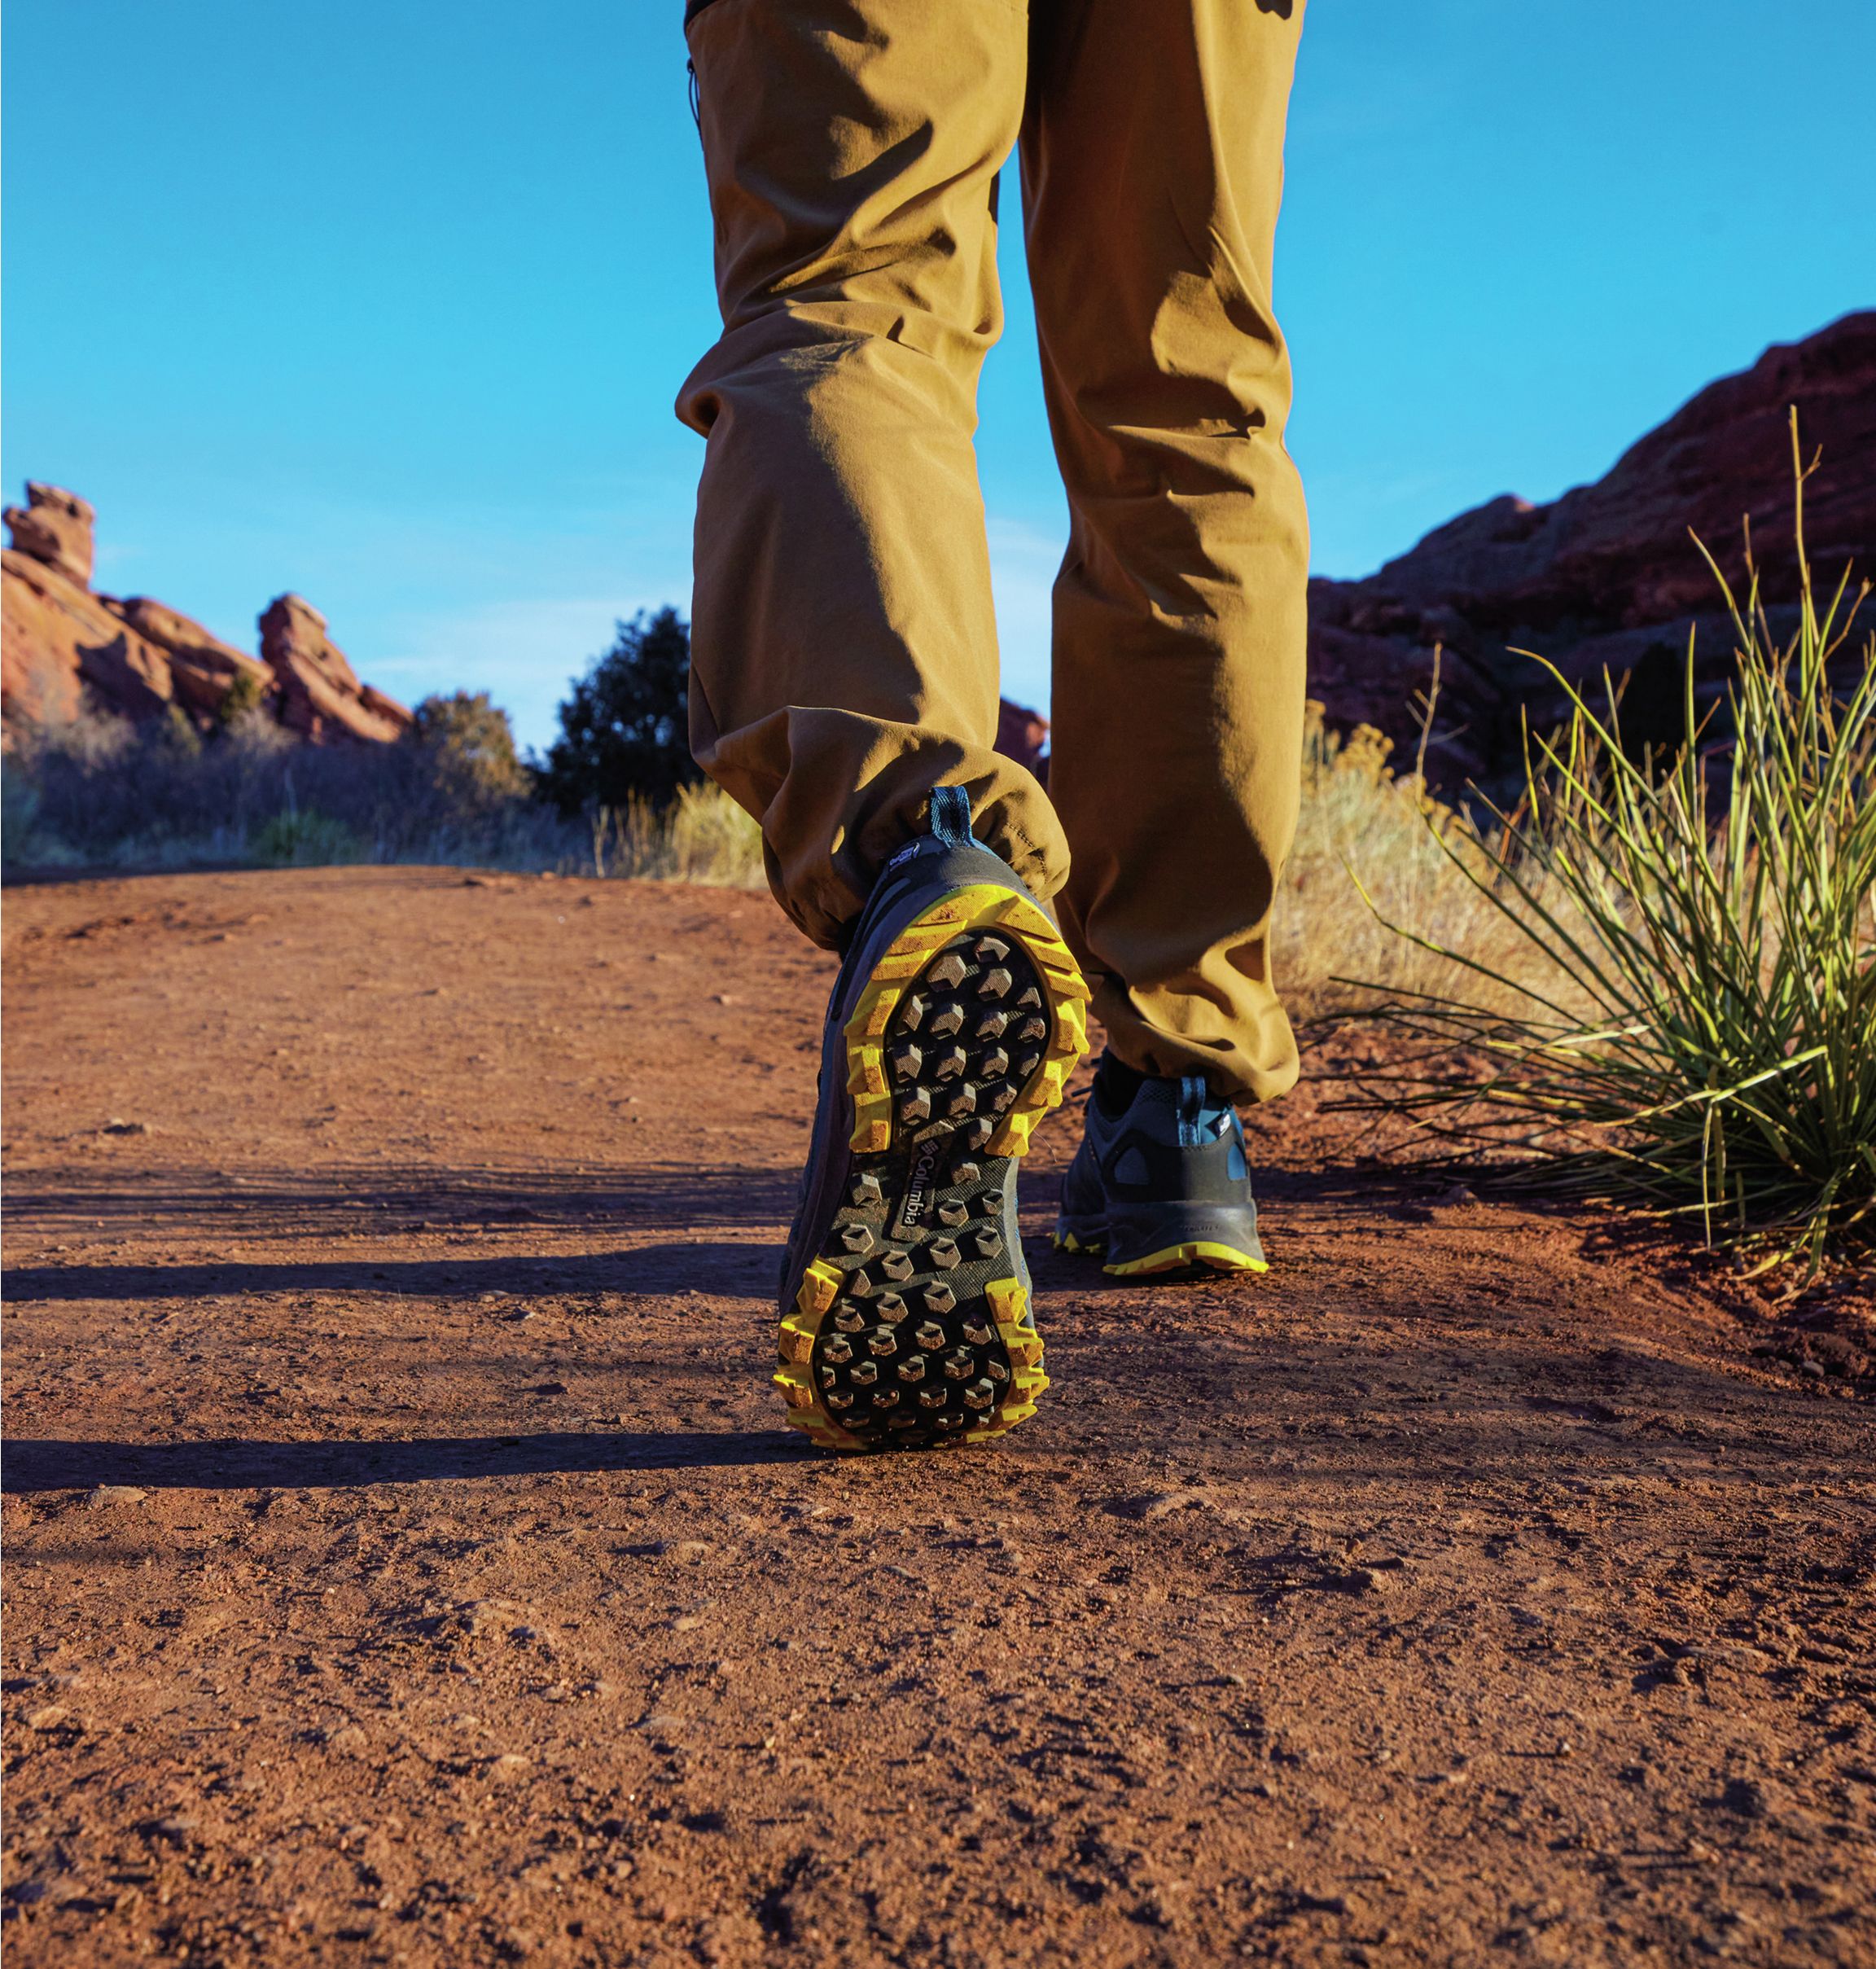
(388, 303)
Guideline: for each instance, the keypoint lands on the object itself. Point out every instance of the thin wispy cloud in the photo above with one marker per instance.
(524, 651)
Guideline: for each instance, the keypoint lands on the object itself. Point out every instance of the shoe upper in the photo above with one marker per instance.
(949, 856)
(1150, 1140)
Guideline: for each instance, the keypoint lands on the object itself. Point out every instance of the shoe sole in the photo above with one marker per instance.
(1200, 1254)
(912, 1327)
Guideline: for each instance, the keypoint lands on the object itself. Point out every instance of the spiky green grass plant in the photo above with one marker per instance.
(1690, 1022)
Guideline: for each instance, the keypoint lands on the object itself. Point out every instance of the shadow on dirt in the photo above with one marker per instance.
(722, 1270)
(269, 1202)
(29, 1466)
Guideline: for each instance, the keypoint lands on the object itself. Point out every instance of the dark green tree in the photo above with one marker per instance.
(625, 729)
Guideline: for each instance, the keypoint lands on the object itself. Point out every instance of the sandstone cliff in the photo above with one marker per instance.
(1606, 576)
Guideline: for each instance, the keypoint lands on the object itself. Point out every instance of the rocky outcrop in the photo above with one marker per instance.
(203, 669)
(1023, 734)
(66, 647)
(321, 696)
(1606, 576)
(54, 528)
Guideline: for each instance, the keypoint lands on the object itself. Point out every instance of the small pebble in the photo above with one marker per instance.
(105, 1495)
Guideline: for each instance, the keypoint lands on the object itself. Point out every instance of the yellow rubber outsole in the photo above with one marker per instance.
(1194, 1254)
(1199, 1253)
(981, 906)
(966, 910)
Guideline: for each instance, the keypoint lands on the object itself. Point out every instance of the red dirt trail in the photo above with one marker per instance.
(406, 1562)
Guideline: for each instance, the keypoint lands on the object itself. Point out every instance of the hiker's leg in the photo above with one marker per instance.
(843, 646)
(1152, 160)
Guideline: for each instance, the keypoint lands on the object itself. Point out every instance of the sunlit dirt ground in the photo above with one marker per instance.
(405, 1562)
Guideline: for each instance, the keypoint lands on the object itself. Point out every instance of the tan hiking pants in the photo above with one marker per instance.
(845, 650)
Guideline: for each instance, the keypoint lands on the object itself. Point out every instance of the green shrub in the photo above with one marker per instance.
(302, 837)
(25, 840)
(247, 694)
(1691, 1019)
(468, 747)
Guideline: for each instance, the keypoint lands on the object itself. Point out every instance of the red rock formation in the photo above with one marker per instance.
(203, 669)
(1606, 576)
(1021, 735)
(320, 695)
(53, 526)
(65, 646)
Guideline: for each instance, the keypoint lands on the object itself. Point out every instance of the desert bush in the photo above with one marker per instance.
(244, 696)
(468, 749)
(26, 840)
(1692, 1014)
(624, 728)
(302, 837)
(101, 791)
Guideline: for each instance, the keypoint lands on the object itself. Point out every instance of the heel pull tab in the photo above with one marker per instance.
(951, 816)
(1191, 1109)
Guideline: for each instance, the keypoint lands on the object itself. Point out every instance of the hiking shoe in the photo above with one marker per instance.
(1160, 1182)
(954, 1024)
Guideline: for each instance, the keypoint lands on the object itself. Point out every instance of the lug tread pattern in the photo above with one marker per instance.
(910, 1330)
(982, 907)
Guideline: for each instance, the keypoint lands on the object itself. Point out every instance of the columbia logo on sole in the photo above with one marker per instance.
(919, 1186)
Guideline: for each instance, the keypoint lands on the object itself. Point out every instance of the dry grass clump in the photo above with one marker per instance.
(100, 791)
(699, 835)
(1688, 1017)
(1374, 848)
